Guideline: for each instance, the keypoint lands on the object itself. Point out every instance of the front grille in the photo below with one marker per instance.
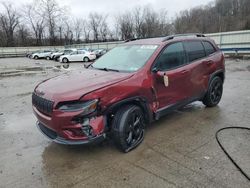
(43, 105)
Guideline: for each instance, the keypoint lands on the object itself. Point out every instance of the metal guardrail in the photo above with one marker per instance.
(22, 51)
(104, 45)
(236, 42)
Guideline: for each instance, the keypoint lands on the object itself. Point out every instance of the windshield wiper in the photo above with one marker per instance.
(107, 69)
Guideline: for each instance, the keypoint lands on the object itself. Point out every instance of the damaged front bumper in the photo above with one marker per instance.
(56, 138)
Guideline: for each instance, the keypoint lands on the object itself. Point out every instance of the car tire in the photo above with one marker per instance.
(214, 93)
(47, 58)
(128, 127)
(65, 60)
(36, 57)
(85, 59)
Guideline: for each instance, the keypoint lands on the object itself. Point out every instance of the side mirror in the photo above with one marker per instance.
(158, 72)
(161, 73)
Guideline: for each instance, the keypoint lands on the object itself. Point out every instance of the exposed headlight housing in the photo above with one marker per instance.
(86, 107)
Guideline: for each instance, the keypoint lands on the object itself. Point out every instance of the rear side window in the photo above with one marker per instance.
(208, 48)
(195, 50)
(81, 52)
(172, 57)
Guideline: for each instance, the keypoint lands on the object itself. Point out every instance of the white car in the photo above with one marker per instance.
(42, 54)
(56, 55)
(79, 55)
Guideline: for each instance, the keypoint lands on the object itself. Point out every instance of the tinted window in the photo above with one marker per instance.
(195, 50)
(173, 56)
(209, 48)
(81, 52)
(68, 51)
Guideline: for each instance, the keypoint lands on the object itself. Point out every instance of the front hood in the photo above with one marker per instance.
(75, 84)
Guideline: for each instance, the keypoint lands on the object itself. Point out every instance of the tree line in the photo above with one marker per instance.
(45, 22)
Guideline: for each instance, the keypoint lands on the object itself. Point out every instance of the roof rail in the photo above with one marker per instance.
(128, 40)
(183, 35)
(133, 39)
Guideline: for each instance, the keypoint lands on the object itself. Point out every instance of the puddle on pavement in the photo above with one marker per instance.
(24, 94)
(26, 71)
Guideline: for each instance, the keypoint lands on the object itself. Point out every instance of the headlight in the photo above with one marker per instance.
(86, 107)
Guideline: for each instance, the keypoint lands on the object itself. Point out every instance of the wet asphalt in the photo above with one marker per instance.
(180, 150)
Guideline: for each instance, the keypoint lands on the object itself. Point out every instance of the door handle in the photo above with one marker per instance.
(210, 62)
(184, 71)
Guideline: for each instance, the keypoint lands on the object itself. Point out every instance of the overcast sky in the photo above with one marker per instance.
(81, 8)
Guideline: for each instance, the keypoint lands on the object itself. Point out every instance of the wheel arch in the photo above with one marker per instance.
(65, 58)
(86, 57)
(219, 73)
(138, 101)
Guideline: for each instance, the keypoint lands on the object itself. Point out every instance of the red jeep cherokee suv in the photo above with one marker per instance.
(132, 85)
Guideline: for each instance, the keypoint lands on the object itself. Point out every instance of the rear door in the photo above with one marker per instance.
(80, 55)
(197, 66)
(174, 87)
(211, 58)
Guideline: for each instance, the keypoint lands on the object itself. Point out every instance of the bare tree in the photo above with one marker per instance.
(86, 31)
(78, 29)
(126, 26)
(36, 20)
(52, 12)
(9, 21)
(144, 22)
(104, 29)
(45, 22)
(138, 17)
(95, 21)
(68, 34)
(22, 35)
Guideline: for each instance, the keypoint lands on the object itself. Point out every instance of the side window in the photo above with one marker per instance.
(195, 50)
(208, 48)
(81, 52)
(172, 57)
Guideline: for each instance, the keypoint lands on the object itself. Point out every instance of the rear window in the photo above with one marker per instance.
(208, 48)
(195, 50)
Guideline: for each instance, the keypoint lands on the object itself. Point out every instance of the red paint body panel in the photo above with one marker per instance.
(112, 87)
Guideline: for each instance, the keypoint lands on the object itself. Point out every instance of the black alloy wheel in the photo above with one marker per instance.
(129, 127)
(214, 93)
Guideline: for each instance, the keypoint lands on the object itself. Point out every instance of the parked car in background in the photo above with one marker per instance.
(43, 54)
(131, 86)
(29, 54)
(56, 55)
(100, 52)
(79, 55)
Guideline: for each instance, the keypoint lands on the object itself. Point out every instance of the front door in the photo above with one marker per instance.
(172, 81)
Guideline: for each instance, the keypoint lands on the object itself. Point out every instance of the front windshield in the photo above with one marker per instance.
(128, 58)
